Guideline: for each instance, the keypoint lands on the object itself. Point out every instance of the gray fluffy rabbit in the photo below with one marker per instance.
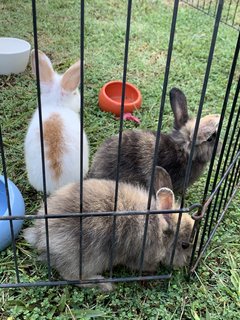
(98, 195)
(138, 149)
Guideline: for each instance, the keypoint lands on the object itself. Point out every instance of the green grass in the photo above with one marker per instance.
(214, 292)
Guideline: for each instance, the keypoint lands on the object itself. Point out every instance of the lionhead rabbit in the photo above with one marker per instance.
(98, 195)
(174, 149)
(60, 100)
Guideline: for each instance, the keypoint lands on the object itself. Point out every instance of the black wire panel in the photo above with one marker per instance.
(231, 10)
(224, 107)
(97, 214)
(92, 281)
(234, 179)
(124, 79)
(81, 134)
(163, 98)
(228, 151)
(224, 154)
(232, 149)
(225, 182)
(204, 248)
(35, 34)
(203, 92)
(226, 179)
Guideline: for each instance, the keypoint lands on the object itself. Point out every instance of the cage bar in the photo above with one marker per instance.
(35, 35)
(81, 136)
(124, 79)
(163, 98)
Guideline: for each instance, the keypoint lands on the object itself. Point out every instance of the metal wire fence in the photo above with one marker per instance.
(230, 12)
(222, 180)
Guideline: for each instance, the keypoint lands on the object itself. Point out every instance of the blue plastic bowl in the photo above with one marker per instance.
(17, 209)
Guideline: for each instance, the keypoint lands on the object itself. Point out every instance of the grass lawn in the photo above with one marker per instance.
(214, 292)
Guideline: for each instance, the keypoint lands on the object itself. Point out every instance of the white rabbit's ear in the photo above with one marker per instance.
(179, 107)
(71, 78)
(207, 128)
(165, 199)
(162, 179)
(46, 71)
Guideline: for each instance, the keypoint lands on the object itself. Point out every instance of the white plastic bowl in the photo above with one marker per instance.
(14, 55)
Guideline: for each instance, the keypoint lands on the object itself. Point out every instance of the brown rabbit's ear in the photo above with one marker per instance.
(179, 107)
(46, 71)
(207, 127)
(165, 199)
(162, 179)
(71, 78)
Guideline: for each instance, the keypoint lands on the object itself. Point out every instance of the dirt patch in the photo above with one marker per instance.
(7, 81)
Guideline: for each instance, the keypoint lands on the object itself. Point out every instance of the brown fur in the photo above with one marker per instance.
(207, 126)
(54, 142)
(98, 196)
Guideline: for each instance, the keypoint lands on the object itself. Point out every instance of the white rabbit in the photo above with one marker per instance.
(60, 100)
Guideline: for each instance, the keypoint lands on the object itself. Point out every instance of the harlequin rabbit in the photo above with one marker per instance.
(174, 149)
(98, 196)
(60, 100)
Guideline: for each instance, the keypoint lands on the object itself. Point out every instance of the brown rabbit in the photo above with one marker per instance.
(98, 195)
(138, 146)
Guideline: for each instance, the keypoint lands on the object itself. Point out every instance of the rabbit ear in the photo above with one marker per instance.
(165, 199)
(46, 71)
(179, 107)
(162, 179)
(207, 127)
(71, 78)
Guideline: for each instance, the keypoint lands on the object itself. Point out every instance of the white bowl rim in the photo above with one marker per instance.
(28, 46)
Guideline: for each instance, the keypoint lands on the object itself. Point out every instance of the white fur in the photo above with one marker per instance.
(55, 100)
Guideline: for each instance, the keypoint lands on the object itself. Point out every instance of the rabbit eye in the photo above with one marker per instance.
(185, 245)
(212, 137)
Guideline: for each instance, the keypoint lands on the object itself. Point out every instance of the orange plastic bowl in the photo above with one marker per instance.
(111, 94)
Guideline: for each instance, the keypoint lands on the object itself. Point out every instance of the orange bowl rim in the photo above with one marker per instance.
(135, 104)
